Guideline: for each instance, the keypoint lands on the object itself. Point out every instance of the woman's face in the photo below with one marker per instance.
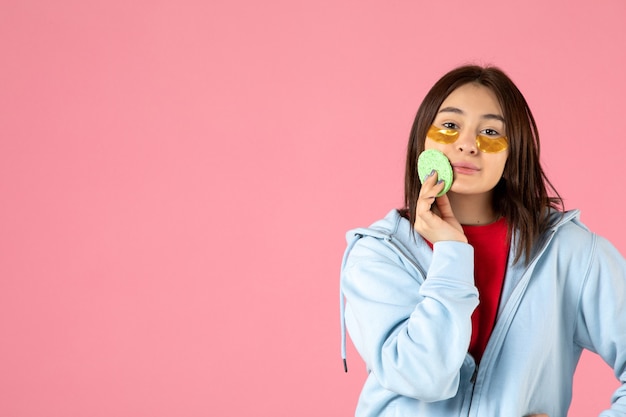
(472, 134)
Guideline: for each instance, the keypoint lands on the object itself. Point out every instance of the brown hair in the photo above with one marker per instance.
(521, 196)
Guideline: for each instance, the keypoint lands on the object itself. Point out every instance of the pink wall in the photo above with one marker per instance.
(176, 178)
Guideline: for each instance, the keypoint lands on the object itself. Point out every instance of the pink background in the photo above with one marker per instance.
(176, 178)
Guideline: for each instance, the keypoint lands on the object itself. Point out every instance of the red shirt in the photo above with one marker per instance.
(491, 250)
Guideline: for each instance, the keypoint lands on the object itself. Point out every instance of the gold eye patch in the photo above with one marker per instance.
(491, 145)
(445, 136)
(483, 143)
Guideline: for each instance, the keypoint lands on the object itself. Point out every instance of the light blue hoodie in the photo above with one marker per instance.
(408, 311)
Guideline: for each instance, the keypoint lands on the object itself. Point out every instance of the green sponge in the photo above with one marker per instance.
(432, 159)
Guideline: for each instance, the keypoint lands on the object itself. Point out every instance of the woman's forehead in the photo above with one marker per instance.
(472, 99)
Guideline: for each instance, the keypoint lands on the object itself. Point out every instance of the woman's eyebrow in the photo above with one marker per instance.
(456, 110)
(493, 117)
(451, 110)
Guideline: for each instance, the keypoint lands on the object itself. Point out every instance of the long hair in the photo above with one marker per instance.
(521, 195)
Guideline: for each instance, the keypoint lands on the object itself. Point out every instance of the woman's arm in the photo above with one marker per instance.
(413, 336)
(601, 324)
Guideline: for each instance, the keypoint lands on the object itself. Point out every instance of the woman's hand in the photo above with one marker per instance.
(436, 227)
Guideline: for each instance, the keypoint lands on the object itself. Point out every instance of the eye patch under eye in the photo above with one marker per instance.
(445, 136)
(483, 143)
(491, 145)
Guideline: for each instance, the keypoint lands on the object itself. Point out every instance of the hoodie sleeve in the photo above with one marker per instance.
(412, 334)
(601, 325)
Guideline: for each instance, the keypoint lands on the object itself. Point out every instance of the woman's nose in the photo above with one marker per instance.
(466, 143)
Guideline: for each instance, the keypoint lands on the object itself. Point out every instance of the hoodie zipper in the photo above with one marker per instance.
(391, 241)
(537, 256)
(473, 382)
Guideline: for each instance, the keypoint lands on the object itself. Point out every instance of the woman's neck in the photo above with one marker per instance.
(473, 209)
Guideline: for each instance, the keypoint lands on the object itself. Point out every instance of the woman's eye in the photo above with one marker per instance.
(490, 132)
(450, 125)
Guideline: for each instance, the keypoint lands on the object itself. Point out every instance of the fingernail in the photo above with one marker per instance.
(431, 173)
(439, 182)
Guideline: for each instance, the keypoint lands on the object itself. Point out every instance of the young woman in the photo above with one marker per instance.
(479, 302)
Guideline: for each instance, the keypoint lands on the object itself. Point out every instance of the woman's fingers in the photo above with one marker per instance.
(430, 188)
(430, 225)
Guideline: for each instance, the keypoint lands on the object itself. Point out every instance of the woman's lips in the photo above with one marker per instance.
(465, 168)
